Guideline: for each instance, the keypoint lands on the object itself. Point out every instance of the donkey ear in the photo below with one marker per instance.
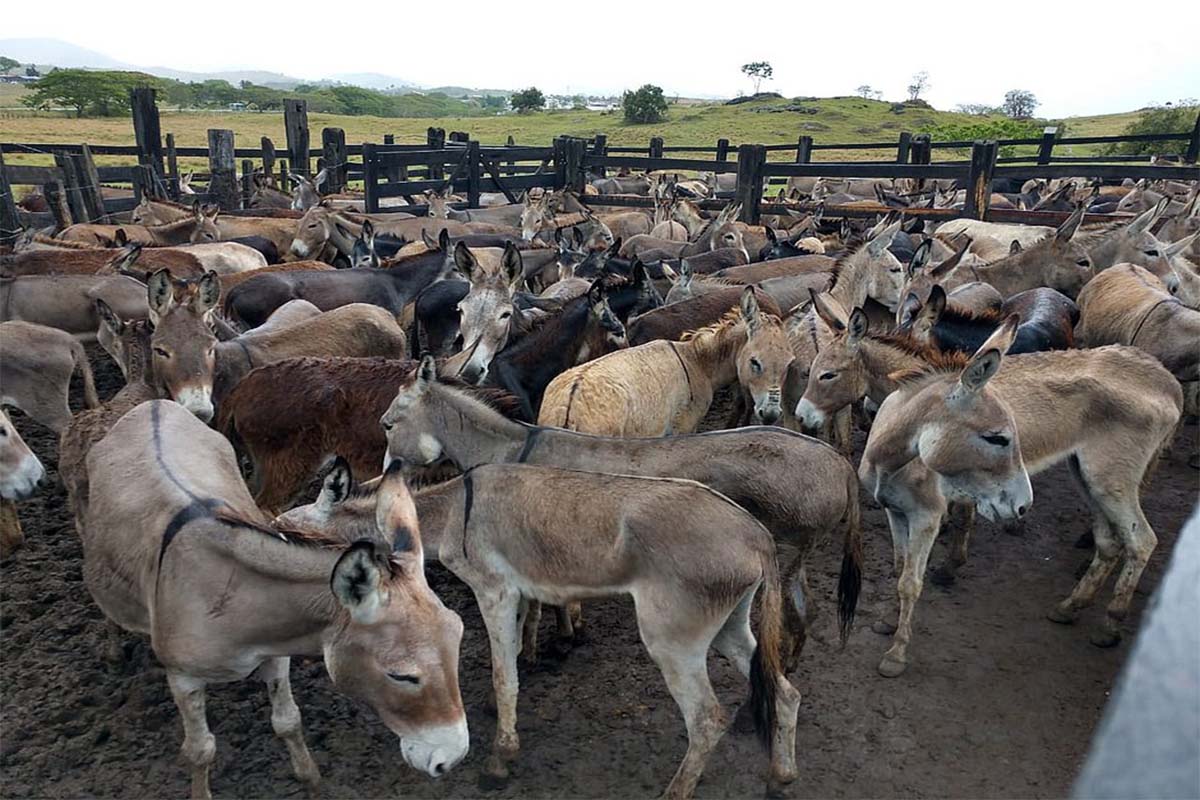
(596, 293)
(884, 240)
(427, 371)
(857, 328)
(1014, 247)
(830, 314)
(337, 484)
(1070, 224)
(942, 270)
(908, 309)
(771, 237)
(396, 513)
(368, 230)
(443, 240)
(357, 581)
(667, 272)
(986, 361)
(210, 292)
(159, 294)
(935, 306)
(109, 318)
(920, 257)
(120, 237)
(464, 259)
(513, 268)
(749, 306)
(428, 240)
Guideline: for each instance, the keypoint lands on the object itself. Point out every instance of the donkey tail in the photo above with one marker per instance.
(79, 355)
(850, 580)
(766, 665)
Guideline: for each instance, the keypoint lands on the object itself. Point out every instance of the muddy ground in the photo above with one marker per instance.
(998, 701)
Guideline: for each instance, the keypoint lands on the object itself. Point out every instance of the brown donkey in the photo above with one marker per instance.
(951, 433)
(175, 548)
(663, 387)
(690, 558)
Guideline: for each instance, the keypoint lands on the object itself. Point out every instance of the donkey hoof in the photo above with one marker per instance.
(1062, 617)
(891, 667)
(1085, 541)
(883, 627)
(942, 576)
(494, 775)
(777, 786)
(1105, 637)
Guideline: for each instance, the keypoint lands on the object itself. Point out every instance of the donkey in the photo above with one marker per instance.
(323, 226)
(815, 496)
(99, 260)
(189, 560)
(67, 302)
(20, 473)
(1060, 261)
(198, 227)
(36, 365)
(691, 559)
(306, 193)
(585, 329)
(279, 228)
(664, 387)
(487, 313)
(971, 430)
(1047, 321)
(290, 418)
(440, 208)
(720, 232)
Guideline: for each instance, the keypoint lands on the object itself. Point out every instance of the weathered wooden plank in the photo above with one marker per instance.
(10, 223)
(21, 175)
(1102, 171)
(722, 149)
(804, 146)
(643, 162)
(656, 147)
(57, 200)
(70, 186)
(903, 147)
(1193, 151)
(1046, 147)
(473, 176)
(89, 184)
(247, 182)
(172, 168)
(852, 169)
(371, 175)
(333, 150)
(751, 158)
(223, 166)
(979, 180)
(435, 139)
(147, 132)
(600, 149)
(295, 124)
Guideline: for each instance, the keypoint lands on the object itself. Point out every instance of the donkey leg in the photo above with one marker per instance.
(529, 618)
(796, 614)
(1103, 559)
(285, 719)
(1139, 542)
(922, 533)
(961, 518)
(685, 670)
(199, 745)
(499, 611)
(898, 525)
(843, 422)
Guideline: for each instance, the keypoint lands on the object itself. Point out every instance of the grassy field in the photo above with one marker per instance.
(842, 120)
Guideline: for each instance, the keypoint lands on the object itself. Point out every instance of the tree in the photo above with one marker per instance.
(32, 72)
(647, 104)
(868, 92)
(1167, 118)
(920, 82)
(975, 109)
(7, 63)
(527, 100)
(758, 71)
(98, 92)
(1019, 104)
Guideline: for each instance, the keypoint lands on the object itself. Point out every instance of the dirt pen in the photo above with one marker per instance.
(999, 702)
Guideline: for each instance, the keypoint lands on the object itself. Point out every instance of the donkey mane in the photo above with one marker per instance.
(294, 536)
(935, 360)
(849, 250)
(957, 313)
(66, 244)
(169, 203)
(730, 318)
(1089, 236)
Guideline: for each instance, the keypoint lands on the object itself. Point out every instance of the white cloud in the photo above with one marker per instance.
(1076, 60)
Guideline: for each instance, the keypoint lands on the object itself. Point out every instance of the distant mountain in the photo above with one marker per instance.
(58, 53)
(371, 80)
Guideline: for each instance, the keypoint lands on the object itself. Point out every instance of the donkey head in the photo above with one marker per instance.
(20, 469)
(306, 193)
(960, 430)
(1183, 280)
(183, 344)
(607, 331)
(312, 232)
(205, 229)
(486, 314)
(763, 361)
(439, 203)
(396, 649)
(920, 277)
(725, 231)
(363, 255)
(536, 217)
(837, 376)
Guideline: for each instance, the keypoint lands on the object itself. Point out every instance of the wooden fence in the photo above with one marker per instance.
(72, 186)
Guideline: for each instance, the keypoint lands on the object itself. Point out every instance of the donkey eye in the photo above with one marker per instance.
(996, 439)
(827, 376)
(505, 314)
(1083, 262)
(756, 366)
(387, 426)
(1152, 253)
(409, 679)
(161, 352)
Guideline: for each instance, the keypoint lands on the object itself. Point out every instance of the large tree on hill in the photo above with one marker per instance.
(530, 99)
(1019, 104)
(87, 91)
(647, 104)
(758, 71)
(920, 82)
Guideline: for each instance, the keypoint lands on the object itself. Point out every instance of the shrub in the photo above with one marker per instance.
(645, 105)
(1167, 118)
(527, 100)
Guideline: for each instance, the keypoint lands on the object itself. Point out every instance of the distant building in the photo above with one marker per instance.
(18, 78)
(237, 106)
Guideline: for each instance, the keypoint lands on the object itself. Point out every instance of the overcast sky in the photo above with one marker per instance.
(1077, 60)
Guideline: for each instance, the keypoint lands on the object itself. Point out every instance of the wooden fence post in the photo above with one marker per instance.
(473, 176)
(172, 168)
(575, 149)
(395, 173)
(333, 149)
(656, 147)
(89, 184)
(10, 222)
(1046, 148)
(247, 182)
(295, 123)
(70, 186)
(600, 148)
(804, 150)
(903, 148)
(979, 182)
(1193, 151)
(371, 177)
(751, 158)
(435, 139)
(722, 149)
(560, 162)
(460, 136)
(222, 166)
(268, 159)
(148, 133)
(920, 151)
(56, 198)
